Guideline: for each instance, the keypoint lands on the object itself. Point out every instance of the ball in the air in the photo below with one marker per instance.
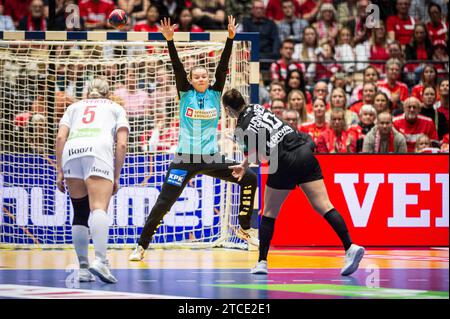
(118, 18)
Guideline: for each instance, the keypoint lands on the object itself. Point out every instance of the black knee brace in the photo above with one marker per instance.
(81, 211)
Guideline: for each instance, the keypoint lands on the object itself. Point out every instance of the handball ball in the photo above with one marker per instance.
(118, 18)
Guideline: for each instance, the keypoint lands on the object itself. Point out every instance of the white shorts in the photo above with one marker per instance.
(86, 166)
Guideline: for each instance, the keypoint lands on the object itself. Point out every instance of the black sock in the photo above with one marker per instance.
(265, 236)
(337, 222)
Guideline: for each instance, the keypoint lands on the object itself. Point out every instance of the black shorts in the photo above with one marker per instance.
(294, 168)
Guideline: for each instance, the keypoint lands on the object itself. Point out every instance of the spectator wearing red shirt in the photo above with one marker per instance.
(320, 91)
(316, 128)
(420, 48)
(327, 65)
(367, 116)
(411, 123)
(274, 10)
(35, 20)
(310, 8)
(378, 47)
(95, 12)
(185, 22)
(151, 24)
(442, 105)
(429, 99)
(16, 9)
(398, 90)
(369, 91)
(428, 77)
(280, 68)
(401, 26)
(437, 28)
(441, 54)
(444, 143)
(336, 139)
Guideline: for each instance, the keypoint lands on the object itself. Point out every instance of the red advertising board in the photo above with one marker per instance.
(386, 200)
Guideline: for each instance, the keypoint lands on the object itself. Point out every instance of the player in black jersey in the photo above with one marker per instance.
(291, 162)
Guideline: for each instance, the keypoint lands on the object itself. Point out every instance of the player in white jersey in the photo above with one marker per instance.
(86, 164)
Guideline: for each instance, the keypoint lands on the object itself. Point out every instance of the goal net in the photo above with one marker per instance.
(40, 78)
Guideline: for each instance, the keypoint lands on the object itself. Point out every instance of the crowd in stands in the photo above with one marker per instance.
(357, 75)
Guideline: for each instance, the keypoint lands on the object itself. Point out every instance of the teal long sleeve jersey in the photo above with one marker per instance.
(199, 112)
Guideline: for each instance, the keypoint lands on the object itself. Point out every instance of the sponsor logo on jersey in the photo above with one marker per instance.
(176, 177)
(201, 114)
(99, 170)
(79, 150)
(84, 132)
(278, 136)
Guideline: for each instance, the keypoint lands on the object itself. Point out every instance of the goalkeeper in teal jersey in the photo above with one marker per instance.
(197, 151)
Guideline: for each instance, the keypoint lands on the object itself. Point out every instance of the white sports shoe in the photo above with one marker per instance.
(101, 270)
(84, 275)
(260, 268)
(137, 254)
(352, 258)
(249, 235)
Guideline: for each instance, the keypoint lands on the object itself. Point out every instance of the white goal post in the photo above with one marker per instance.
(41, 73)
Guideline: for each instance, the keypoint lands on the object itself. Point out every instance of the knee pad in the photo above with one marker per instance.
(81, 211)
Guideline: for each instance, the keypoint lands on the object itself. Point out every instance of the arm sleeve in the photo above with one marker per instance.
(222, 68)
(65, 120)
(122, 120)
(180, 74)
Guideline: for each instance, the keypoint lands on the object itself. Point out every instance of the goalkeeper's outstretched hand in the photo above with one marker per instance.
(167, 29)
(231, 27)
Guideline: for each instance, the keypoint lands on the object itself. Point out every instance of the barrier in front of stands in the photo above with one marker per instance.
(386, 200)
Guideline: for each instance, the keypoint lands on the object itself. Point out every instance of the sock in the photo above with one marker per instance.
(80, 238)
(265, 236)
(337, 222)
(99, 233)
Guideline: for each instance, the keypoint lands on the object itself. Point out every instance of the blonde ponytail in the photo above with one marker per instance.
(97, 89)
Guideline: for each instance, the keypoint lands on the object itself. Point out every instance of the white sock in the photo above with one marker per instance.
(80, 238)
(99, 233)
